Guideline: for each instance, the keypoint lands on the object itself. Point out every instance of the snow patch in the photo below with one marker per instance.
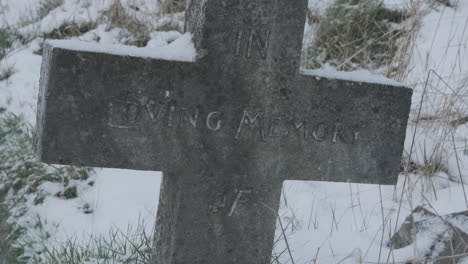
(355, 76)
(117, 199)
(181, 49)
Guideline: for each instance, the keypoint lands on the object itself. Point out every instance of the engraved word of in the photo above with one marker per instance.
(219, 201)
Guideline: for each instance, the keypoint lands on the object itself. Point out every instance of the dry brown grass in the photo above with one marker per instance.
(398, 67)
(365, 41)
(117, 16)
(172, 6)
(120, 17)
(355, 34)
(46, 6)
(69, 30)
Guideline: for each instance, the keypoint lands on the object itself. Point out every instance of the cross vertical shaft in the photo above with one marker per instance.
(206, 217)
(242, 37)
(238, 50)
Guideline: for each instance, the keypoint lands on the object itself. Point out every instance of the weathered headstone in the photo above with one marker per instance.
(226, 130)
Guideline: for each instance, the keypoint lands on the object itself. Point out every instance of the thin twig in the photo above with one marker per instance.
(410, 154)
(282, 231)
(459, 170)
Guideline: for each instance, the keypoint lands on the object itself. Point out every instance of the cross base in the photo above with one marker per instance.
(233, 218)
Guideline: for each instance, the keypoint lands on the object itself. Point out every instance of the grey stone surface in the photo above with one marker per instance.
(226, 130)
(454, 245)
(406, 235)
(449, 238)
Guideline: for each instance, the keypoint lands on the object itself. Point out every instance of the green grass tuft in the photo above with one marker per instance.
(21, 175)
(68, 193)
(132, 246)
(18, 164)
(355, 34)
(7, 37)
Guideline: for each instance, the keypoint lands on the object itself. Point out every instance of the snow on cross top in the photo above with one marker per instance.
(181, 49)
(355, 76)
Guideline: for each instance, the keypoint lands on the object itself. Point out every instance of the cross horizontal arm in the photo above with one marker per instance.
(89, 105)
(357, 130)
(113, 111)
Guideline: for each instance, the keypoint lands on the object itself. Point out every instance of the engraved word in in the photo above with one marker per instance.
(251, 38)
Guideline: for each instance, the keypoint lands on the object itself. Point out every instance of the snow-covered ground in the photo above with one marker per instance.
(330, 222)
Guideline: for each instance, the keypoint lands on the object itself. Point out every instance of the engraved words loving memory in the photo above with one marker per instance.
(138, 113)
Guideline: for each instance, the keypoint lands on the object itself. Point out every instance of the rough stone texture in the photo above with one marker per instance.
(407, 232)
(454, 244)
(450, 243)
(226, 130)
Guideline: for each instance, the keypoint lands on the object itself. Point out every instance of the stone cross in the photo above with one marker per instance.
(226, 130)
